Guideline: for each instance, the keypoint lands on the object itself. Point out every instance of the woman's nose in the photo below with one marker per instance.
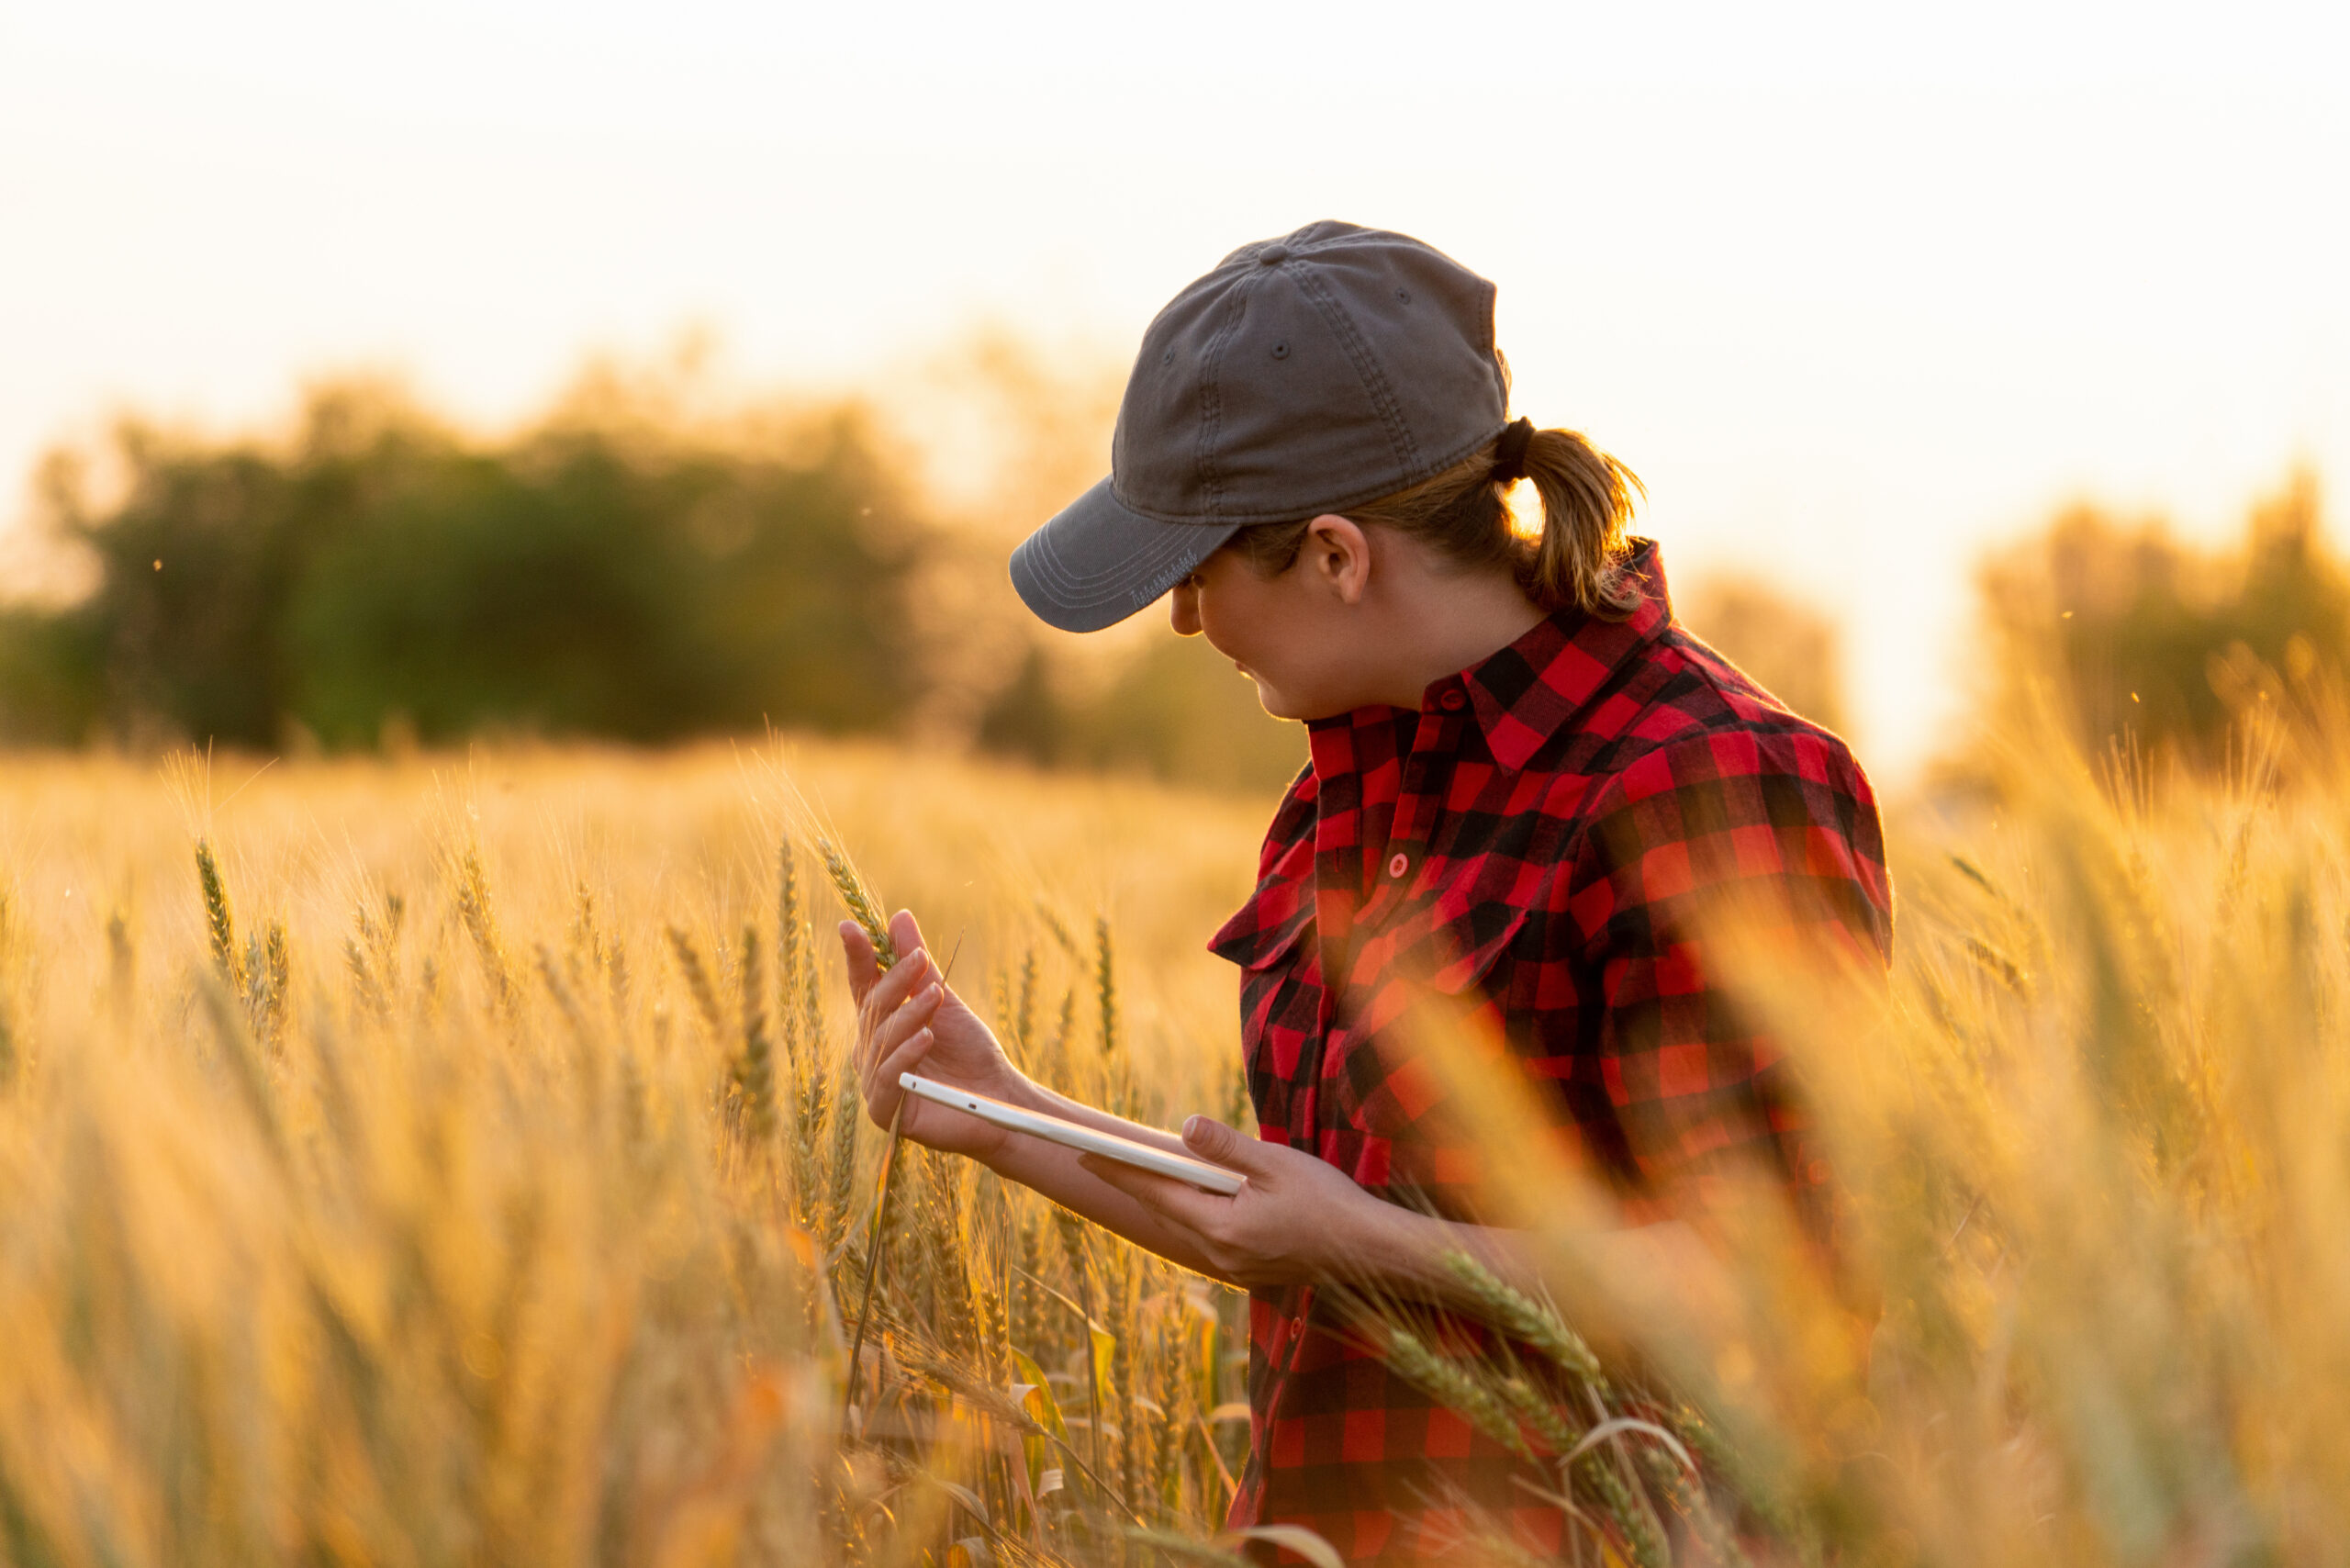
(1183, 611)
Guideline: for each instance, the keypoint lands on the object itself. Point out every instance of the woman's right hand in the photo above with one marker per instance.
(908, 1021)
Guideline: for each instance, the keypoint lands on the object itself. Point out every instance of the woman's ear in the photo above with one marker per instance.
(1336, 554)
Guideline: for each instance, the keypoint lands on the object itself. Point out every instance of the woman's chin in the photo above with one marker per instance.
(1281, 704)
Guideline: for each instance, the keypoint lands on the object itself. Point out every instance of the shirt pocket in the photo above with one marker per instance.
(1454, 941)
(1262, 932)
(1281, 997)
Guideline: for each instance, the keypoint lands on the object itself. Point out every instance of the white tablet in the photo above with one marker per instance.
(1198, 1173)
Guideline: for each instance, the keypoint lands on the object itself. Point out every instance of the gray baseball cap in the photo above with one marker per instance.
(1304, 375)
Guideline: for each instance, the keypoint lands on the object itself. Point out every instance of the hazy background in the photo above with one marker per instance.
(1858, 292)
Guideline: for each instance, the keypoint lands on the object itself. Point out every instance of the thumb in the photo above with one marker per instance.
(1220, 1144)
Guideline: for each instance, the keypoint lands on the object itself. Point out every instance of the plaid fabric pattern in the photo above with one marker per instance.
(1536, 841)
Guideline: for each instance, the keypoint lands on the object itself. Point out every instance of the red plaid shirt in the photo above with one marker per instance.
(1534, 839)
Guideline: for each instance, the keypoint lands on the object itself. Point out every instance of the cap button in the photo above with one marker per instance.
(1273, 255)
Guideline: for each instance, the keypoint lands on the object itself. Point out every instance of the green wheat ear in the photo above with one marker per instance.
(863, 907)
(1105, 985)
(1451, 1383)
(754, 1068)
(220, 918)
(1528, 1320)
(698, 981)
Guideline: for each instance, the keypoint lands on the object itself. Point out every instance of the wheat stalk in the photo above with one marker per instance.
(566, 1001)
(1065, 1029)
(790, 961)
(1105, 987)
(1023, 1013)
(277, 985)
(219, 916)
(479, 916)
(811, 1002)
(754, 1071)
(366, 990)
(1524, 1318)
(1452, 1384)
(863, 907)
(698, 981)
(846, 1113)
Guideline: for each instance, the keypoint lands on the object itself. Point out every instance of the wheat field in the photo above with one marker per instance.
(449, 1160)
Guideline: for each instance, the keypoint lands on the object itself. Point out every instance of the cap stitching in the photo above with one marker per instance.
(1046, 561)
(1117, 575)
(1052, 583)
(1211, 394)
(1374, 375)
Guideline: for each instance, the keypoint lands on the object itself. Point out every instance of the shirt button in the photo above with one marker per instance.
(1452, 700)
(1398, 863)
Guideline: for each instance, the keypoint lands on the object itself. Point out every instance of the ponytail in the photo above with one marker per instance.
(1587, 526)
(1587, 500)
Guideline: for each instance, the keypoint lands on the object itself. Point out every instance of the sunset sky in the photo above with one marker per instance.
(1855, 292)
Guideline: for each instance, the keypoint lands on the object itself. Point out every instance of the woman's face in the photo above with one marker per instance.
(1288, 632)
(1362, 617)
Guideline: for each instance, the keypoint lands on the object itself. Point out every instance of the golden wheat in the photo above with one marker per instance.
(330, 1241)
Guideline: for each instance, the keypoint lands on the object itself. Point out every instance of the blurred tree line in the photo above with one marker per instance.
(380, 572)
(623, 568)
(2149, 642)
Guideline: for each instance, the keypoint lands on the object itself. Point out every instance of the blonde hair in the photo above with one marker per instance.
(1463, 514)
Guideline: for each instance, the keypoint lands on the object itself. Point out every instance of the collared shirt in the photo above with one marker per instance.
(1536, 840)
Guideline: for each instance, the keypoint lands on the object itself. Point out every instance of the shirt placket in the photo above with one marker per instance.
(1427, 773)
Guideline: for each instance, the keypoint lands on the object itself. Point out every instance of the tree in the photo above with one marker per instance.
(2141, 638)
(605, 574)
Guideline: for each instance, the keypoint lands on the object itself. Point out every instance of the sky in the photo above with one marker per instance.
(1858, 291)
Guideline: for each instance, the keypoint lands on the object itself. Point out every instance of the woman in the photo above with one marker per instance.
(1526, 783)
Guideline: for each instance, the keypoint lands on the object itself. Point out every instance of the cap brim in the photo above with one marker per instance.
(1097, 563)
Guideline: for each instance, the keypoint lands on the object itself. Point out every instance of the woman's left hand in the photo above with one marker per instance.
(1297, 1220)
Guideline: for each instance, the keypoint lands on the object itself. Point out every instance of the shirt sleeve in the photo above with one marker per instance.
(1775, 826)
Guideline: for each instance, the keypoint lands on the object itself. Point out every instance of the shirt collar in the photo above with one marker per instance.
(1528, 691)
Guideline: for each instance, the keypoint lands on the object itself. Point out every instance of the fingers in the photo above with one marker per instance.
(881, 1096)
(1220, 1144)
(876, 992)
(913, 1018)
(882, 1091)
(889, 1037)
(886, 994)
(1201, 1213)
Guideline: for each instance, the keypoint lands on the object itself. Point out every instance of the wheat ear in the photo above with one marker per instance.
(698, 983)
(1452, 1385)
(220, 918)
(1105, 986)
(756, 1072)
(863, 907)
(1524, 1318)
